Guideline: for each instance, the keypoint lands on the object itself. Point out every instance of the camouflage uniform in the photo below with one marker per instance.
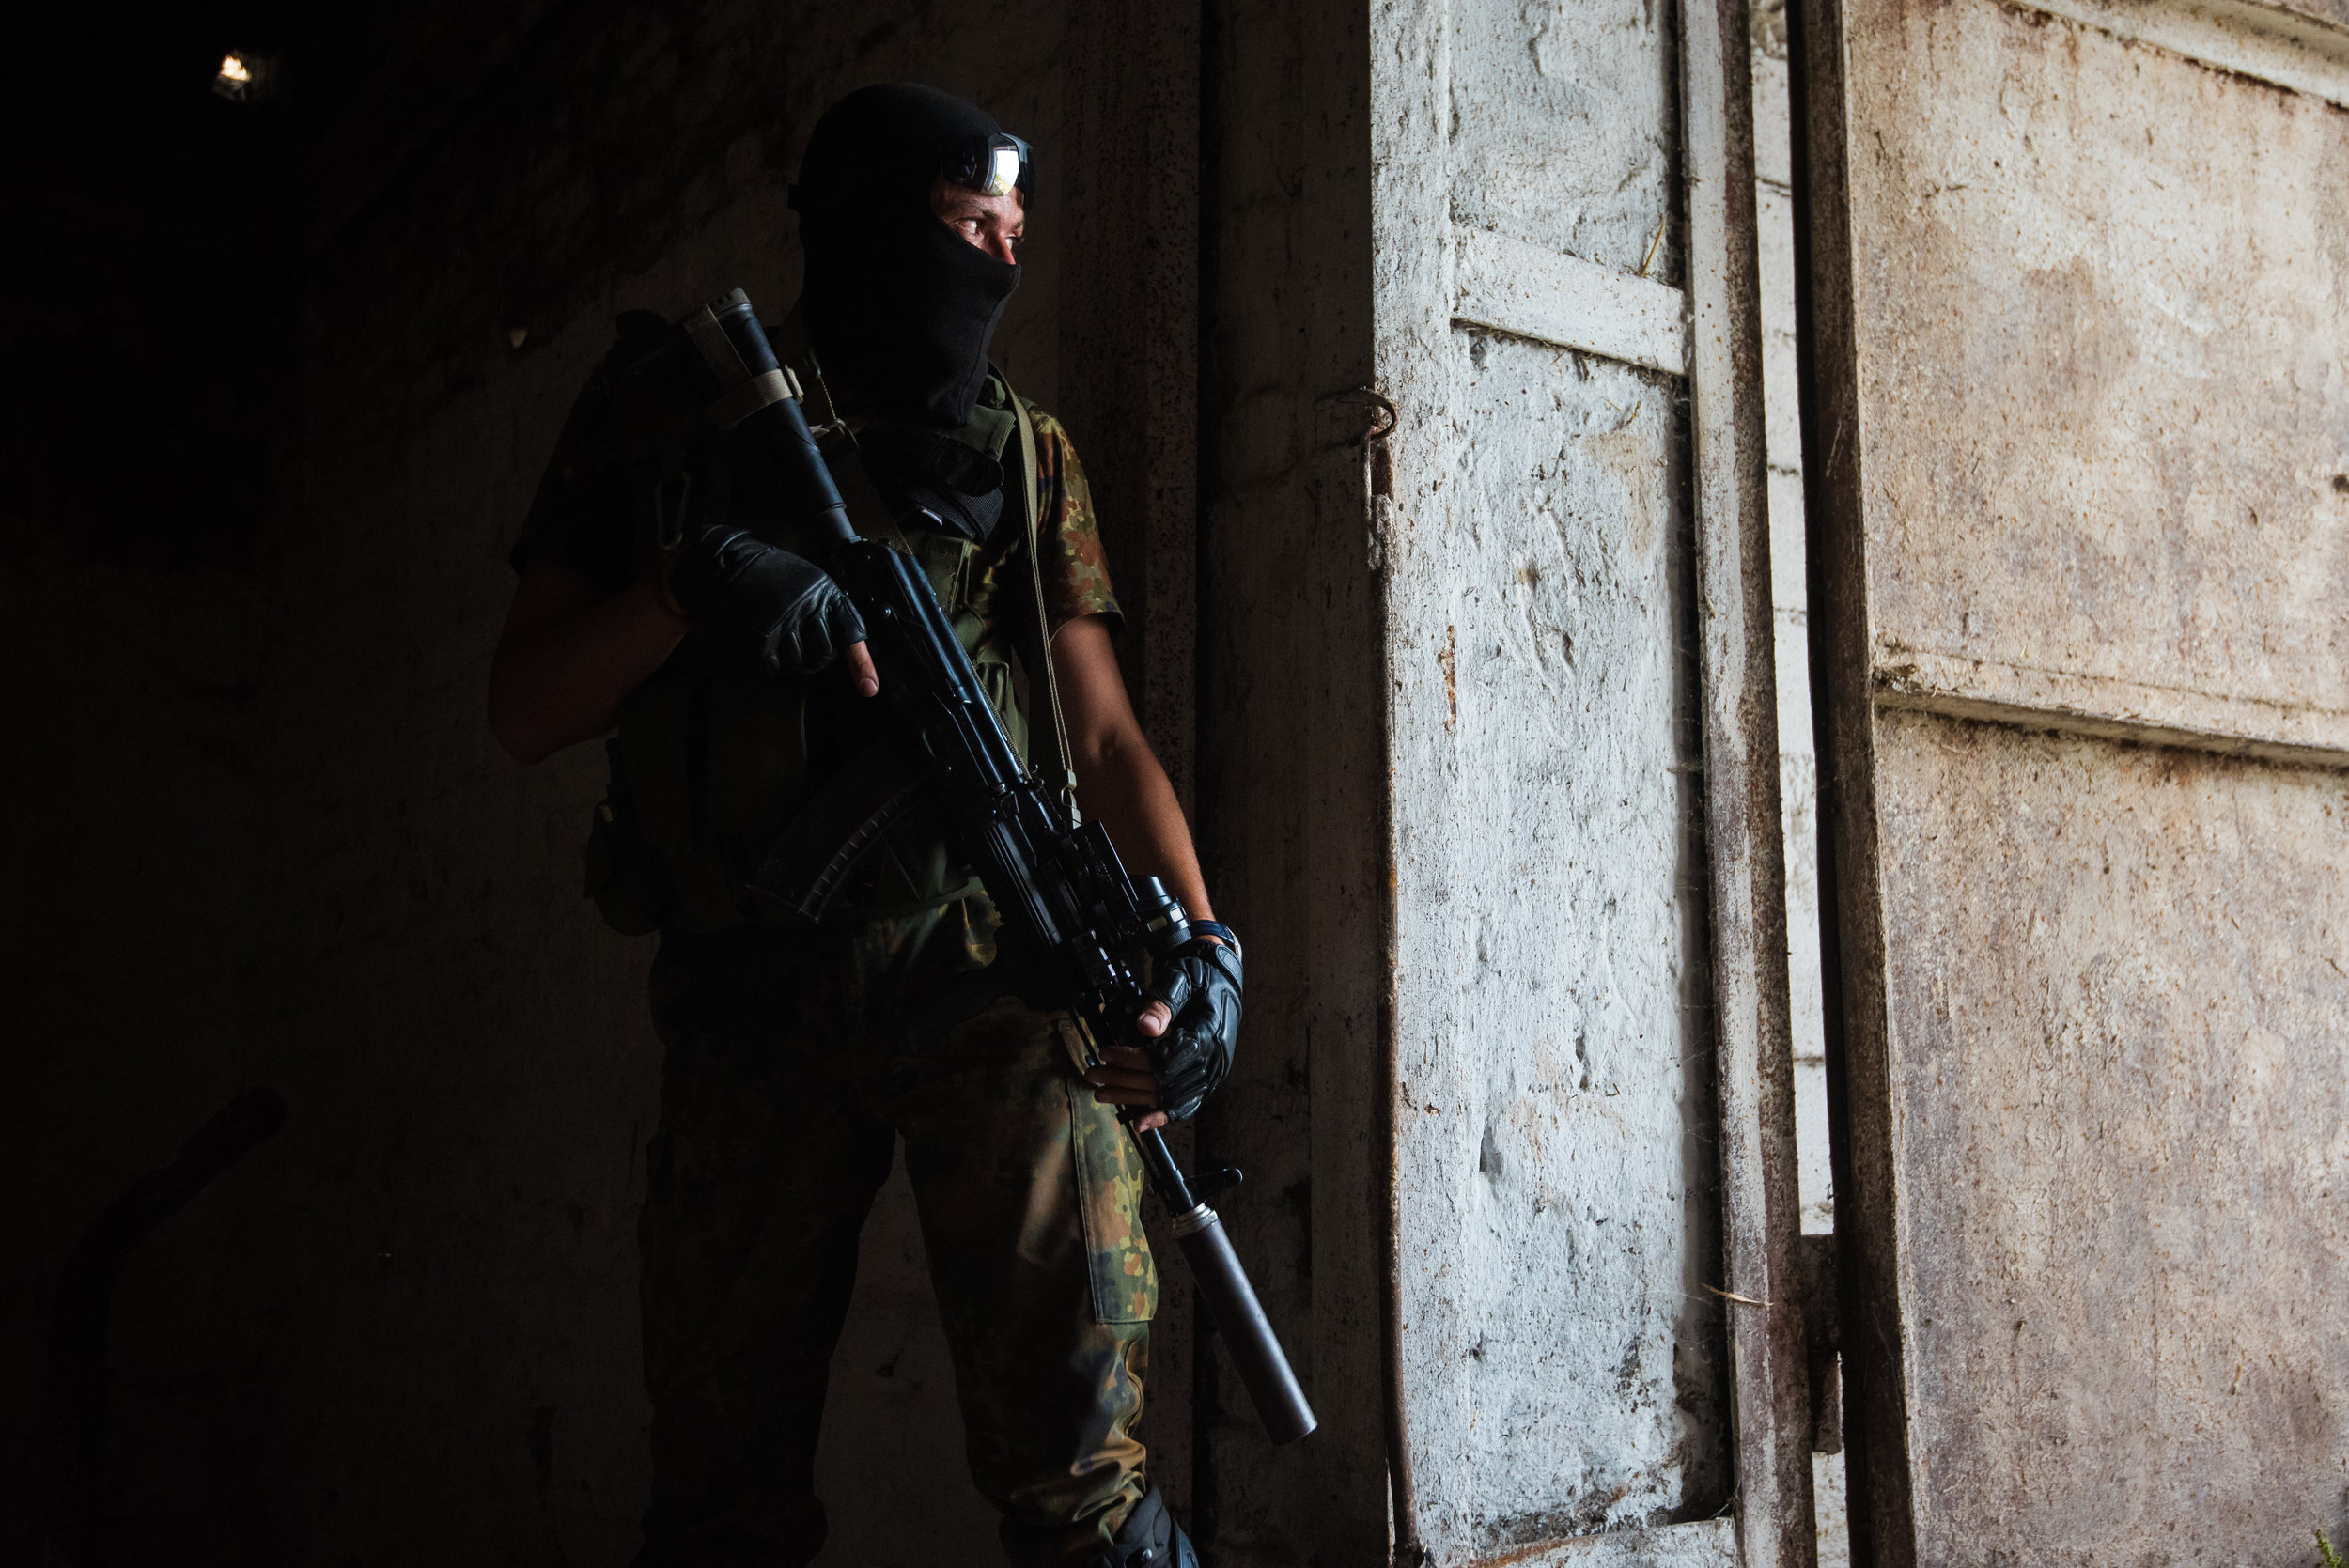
(795, 1059)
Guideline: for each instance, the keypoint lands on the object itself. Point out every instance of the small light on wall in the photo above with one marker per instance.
(517, 337)
(241, 76)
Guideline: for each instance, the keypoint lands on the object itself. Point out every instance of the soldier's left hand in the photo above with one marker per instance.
(1124, 1076)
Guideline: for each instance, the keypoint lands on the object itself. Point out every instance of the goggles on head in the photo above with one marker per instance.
(991, 165)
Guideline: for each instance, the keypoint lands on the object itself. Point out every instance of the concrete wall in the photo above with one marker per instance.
(1292, 790)
(271, 841)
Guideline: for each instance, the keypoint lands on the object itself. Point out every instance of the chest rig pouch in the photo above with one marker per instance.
(708, 763)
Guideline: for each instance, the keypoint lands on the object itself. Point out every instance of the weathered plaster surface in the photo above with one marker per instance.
(1530, 290)
(2106, 377)
(1559, 1217)
(2085, 419)
(2116, 1008)
(1563, 125)
(1709, 1543)
(1558, 1201)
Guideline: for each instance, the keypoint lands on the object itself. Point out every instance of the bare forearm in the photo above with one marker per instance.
(560, 676)
(1117, 779)
(1129, 791)
(1122, 785)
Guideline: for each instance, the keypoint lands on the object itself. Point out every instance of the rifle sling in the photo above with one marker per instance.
(1062, 756)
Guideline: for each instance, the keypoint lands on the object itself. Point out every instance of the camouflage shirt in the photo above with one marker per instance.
(739, 793)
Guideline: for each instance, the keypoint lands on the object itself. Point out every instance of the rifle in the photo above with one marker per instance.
(1068, 903)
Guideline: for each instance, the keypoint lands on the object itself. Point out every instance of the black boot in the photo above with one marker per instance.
(1151, 1539)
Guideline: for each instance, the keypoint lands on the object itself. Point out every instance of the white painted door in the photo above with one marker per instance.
(1567, 1365)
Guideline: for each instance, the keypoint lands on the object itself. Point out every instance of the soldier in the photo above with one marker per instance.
(734, 673)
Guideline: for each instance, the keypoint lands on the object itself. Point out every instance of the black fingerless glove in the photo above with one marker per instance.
(1199, 985)
(776, 610)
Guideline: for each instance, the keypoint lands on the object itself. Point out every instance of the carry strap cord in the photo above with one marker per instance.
(1043, 613)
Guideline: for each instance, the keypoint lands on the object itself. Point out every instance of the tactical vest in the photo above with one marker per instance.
(710, 764)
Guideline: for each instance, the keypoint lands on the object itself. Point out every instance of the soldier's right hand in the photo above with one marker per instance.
(776, 610)
(1192, 1027)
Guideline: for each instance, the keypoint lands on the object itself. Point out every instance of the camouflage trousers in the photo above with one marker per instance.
(792, 1067)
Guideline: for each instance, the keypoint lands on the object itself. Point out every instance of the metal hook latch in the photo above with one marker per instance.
(1377, 470)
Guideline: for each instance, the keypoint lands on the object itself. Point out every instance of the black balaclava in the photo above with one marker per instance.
(895, 300)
